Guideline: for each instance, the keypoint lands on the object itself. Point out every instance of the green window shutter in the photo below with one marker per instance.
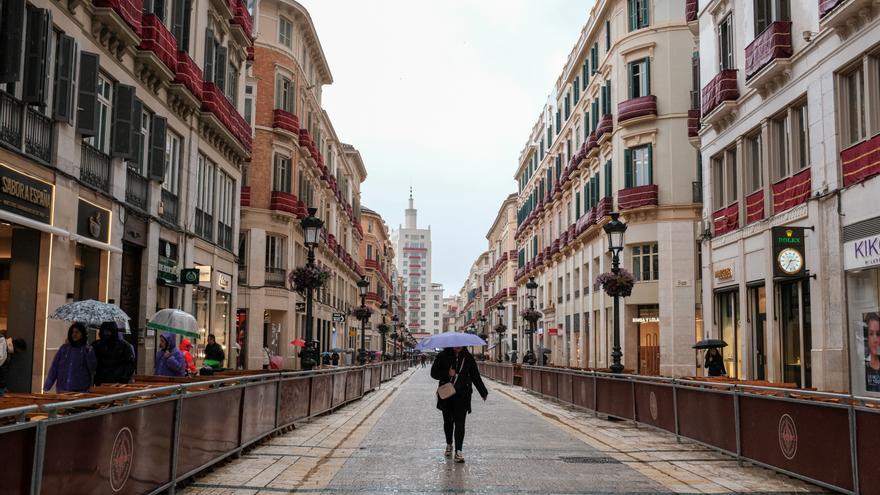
(643, 4)
(627, 168)
(631, 77)
(608, 179)
(632, 15)
(647, 77)
(577, 205)
(595, 114)
(586, 125)
(607, 36)
(650, 163)
(606, 92)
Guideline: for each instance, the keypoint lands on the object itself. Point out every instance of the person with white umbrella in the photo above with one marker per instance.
(169, 359)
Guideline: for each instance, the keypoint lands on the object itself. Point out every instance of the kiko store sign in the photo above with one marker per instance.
(861, 253)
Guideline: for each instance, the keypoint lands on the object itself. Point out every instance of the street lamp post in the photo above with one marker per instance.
(500, 328)
(383, 329)
(363, 285)
(531, 293)
(485, 334)
(395, 322)
(311, 226)
(615, 229)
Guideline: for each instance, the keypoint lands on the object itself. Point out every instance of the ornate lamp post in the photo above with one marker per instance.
(383, 328)
(311, 226)
(395, 323)
(615, 229)
(500, 328)
(363, 285)
(484, 333)
(532, 294)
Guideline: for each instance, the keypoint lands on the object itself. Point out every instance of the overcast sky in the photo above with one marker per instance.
(441, 95)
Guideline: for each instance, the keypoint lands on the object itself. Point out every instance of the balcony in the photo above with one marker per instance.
(275, 277)
(287, 121)
(767, 58)
(755, 207)
(690, 11)
(693, 123)
(245, 196)
(286, 202)
(118, 23)
(860, 162)
(241, 21)
(603, 209)
(188, 82)
(792, 191)
(95, 168)
(137, 189)
(726, 219)
(33, 137)
(237, 129)
(635, 197)
(242, 274)
(636, 110)
(157, 52)
(170, 211)
(719, 97)
(845, 16)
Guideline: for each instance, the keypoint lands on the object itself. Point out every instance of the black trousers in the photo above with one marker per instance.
(453, 423)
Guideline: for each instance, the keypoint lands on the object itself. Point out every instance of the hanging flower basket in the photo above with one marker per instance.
(383, 328)
(616, 284)
(530, 315)
(308, 277)
(501, 328)
(362, 313)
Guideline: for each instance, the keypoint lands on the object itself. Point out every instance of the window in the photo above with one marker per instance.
(790, 145)
(232, 85)
(638, 166)
(724, 178)
(101, 139)
(769, 11)
(725, 43)
(282, 174)
(853, 89)
(780, 146)
(204, 224)
(638, 14)
(639, 78)
(801, 135)
(755, 165)
(284, 94)
(275, 260)
(172, 163)
(285, 32)
(225, 209)
(249, 104)
(645, 262)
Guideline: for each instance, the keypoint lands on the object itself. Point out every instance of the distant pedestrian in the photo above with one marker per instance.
(8, 348)
(423, 359)
(457, 366)
(334, 359)
(186, 349)
(715, 363)
(74, 364)
(214, 354)
(169, 359)
(115, 356)
(325, 359)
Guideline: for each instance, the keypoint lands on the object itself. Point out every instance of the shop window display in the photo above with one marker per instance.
(863, 294)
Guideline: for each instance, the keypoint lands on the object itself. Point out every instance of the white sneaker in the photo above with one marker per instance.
(448, 452)
(458, 457)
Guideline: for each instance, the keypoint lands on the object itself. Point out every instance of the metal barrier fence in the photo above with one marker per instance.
(824, 438)
(145, 441)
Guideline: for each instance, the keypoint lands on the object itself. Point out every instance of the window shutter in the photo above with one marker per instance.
(183, 42)
(220, 69)
(631, 77)
(606, 91)
(137, 138)
(178, 24)
(279, 92)
(12, 40)
(632, 15)
(35, 88)
(157, 148)
(643, 7)
(209, 56)
(159, 9)
(123, 107)
(607, 36)
(65, 62)
(577, 205)
(595, 183)
(650, 163)
(608, 179)
(87, 94)
(627, 168)
(647, 77)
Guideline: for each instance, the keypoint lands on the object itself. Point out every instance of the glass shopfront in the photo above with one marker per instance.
(862, 262)
(758, 319)
(794, 323)
(727, 320)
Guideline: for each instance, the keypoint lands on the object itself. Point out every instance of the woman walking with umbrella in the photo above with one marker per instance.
(714, 361)
(456, 370)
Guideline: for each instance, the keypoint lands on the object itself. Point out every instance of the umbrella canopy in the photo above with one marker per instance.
(710, 344)
(298, 342)
(90, 312)
(449, 339)
(175, 321)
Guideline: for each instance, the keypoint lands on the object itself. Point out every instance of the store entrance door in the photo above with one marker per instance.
(795, 328)
(758, 303)
(130, 291)
(19, 271)
(649, 348)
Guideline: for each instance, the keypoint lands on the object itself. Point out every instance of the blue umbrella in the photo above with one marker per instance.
(449, 339)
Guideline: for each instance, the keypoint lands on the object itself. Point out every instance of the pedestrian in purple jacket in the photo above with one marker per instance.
(169, 359)
(74, 365)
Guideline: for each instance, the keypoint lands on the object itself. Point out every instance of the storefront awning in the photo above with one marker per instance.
(103, 246)
(33, 224)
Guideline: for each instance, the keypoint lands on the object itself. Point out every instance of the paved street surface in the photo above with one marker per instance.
(392, 442)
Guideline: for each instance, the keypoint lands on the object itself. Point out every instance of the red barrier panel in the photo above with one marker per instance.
(655, 406)
(207, 431)
(868, 426)
(549, 386)
(582, 391)
(770, 434)
(294, 400)
(121, 452)
(527, 379)
(614, 397)
(258, 411)
(17, 467)
(563, 390)
(707, 417)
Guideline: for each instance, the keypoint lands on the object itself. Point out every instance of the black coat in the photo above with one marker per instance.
(468, 378)
(115, 360)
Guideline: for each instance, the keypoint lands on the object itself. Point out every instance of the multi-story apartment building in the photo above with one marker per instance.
(500, 282)
(412, 246)
(473, 296)
(790, 143)
(613, 136)
(450, 313)
(434, 307)
(298, 163)
(122, 144)
(377, 258)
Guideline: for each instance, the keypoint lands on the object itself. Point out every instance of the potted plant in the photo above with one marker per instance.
(383, 328)
(530, 315)
(308, 277)
(616, 284)
(501, 328)
(362, 312)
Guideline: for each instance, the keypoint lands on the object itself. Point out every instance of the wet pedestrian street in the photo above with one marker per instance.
(392, 442)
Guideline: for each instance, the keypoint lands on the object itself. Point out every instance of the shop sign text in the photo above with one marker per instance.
(862, 253)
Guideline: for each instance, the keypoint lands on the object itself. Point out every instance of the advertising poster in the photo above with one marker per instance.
(871, 327)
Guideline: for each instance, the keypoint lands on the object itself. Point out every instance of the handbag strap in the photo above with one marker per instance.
(460, 366)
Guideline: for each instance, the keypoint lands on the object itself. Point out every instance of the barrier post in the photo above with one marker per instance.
(853, 447)
(675, 410)
(39, 451)
(175, 439)
(595, 396)
(736, 425)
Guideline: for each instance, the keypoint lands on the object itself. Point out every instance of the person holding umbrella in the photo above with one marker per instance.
(169, 359)
(456, 369)
(714, 361)
(116, 362)
(74, 364)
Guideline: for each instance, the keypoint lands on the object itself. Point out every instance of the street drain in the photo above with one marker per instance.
(589, 460)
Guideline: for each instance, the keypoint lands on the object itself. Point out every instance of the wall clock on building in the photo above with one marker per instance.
(790, 261)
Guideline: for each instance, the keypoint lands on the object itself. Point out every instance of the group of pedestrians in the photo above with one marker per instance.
(110, 359)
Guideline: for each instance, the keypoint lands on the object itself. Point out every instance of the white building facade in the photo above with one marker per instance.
(413, 248)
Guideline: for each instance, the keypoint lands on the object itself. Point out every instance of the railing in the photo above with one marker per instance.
(634, 197)
(156, 38)
(823, 438)
(170, 209)
(721, 88)
(861, 161)
(693, 123)
(245, 196)
(792, 191)
(38, 135)
(276, 277)
(216, 102)
(224, 235)
(282, 119)
(636, 107)
(137, 189)
(726, 219)
(773, 43)
(131, 11)
(204, 225)
(155, 426)
(95, 168)
(189, 74)
(11, 110)
(32, 135)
